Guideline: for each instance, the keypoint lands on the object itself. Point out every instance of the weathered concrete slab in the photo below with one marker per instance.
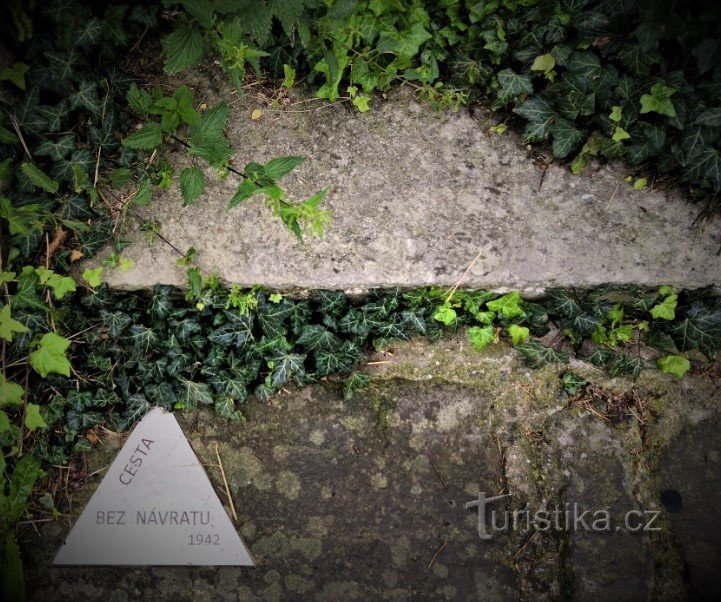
(364, 499)
(416, 194)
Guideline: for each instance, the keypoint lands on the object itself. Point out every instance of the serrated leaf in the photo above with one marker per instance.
(192, 184)
(276, 168)
(148, 137)
(183, 49)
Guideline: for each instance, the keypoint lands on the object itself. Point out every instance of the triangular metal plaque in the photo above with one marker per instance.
(155, 506)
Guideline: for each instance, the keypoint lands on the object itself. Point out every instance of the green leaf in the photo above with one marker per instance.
(139, 100)
(149, 137)
(566, 138)
(543, 62)
(38, 178)
(445, 314)
(183, 49)
(355, 381)
(10, 393)
(192, 184)
(615, 115)
(276, 168)
(15, 74)
(211, 123)
(60, 285)
(245, 190)
(676, 365)
(481, 336)
(8, 326)
(12, 579)
(26, 472)
(289, 78)
(572, 383)
(50, 355)
(93, 277)
(33, 419)
(666, 309)
(620, 134)
(403, 43)
(659, 101)
(361, 102)
(537, 355)
(709, 117)
(518, 334)
(511, 84)
(508, 305)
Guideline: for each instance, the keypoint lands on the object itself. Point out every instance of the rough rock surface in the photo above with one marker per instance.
(364, 499)
(416, 194)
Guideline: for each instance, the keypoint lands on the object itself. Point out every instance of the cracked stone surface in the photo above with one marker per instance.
(364, 499)
(416, 195)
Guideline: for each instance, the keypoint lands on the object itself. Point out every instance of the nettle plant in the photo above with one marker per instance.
(173, 116)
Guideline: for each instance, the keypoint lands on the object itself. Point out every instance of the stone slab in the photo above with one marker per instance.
(416, 194)
(155, 506)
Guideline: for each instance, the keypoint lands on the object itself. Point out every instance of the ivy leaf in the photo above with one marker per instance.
(566, 138)
(509, 305)
(38, 178)
(540, 113)
(195, 393)
(572, 383)
(8, 326)
(445, 314)
(537, 355)
(16, 74)
(709, 117)
(353, 383)
(149, 137)
(518, 334)
(86, 97)
(10, 393)
(512, 84)
(403, 43)
(93, 277)
(676, 365)
(481, 336)
(225, 408)
(33, 419)
(659, 101)
(276, 168)
(701, 328)
(183, 49)
(666, 310)
(50, 355)
(314, 336)
(192, 184)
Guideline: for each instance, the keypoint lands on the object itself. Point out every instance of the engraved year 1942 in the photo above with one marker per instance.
(200, 539)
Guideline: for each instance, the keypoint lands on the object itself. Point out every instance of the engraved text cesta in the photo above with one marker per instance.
(136, 461)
